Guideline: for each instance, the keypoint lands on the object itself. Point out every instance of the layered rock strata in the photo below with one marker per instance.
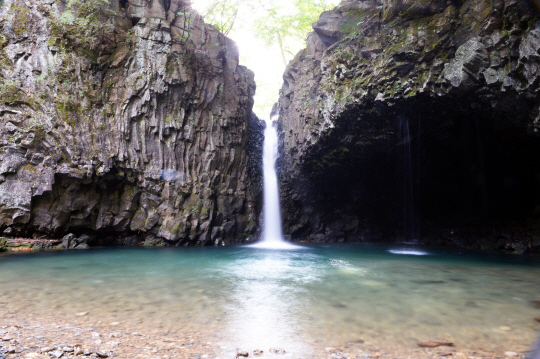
(126, 118)
(416, 120)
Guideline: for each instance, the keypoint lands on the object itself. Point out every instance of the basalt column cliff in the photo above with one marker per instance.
(415, 120)
(137, 128)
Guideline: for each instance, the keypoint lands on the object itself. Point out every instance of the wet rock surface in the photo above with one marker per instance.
(434, 342)
(138, 133)
(415, 120)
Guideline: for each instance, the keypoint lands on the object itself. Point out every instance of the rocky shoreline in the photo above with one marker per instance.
(83, 336)
(515, 241)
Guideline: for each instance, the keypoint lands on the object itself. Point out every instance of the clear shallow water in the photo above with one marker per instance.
(253, 298)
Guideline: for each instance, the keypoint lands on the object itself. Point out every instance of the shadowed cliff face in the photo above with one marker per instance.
(141, 128)
(411, 119)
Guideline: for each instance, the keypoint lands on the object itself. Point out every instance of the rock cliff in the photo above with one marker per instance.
(409, 119)
(125, 119)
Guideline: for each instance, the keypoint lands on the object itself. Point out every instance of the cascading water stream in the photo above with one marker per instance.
(272, 235)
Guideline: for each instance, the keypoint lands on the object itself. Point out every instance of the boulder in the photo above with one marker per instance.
(68, 240)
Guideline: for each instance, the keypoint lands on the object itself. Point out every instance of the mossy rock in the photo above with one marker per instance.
(153, 242)
(3, 244)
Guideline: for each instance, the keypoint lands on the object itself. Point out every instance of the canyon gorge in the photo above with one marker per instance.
(401, 120)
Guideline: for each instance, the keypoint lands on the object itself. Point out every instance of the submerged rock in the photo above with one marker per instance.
(140, 126)
(434, 342)
(57, 354)
(241, 353)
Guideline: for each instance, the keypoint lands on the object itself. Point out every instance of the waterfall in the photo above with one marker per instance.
(272, 235)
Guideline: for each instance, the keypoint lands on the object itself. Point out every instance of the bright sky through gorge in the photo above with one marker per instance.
(255, 53)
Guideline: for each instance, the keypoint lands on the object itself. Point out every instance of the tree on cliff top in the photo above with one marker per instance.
(283, 26)
(222, 14)
(281, 23)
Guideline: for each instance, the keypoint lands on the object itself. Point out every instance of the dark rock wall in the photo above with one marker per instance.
(415, 119)
(139, 128)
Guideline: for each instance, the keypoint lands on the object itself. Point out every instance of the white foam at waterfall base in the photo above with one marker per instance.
(410, 252)
(272, 235)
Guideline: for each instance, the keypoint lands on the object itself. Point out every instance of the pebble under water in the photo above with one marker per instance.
(298, 300)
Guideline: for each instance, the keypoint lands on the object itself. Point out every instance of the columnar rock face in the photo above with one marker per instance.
(130, 118)
(415, 119)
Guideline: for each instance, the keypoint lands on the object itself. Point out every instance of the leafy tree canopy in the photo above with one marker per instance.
(276, 22)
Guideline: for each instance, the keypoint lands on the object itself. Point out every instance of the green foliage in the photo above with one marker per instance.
(282, 26)
(222, 14)
(398, 87)
(276, 22)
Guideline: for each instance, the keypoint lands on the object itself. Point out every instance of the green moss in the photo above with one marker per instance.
(18, 246)
(422, 77)
(445, 56)
(29, 168)
(21, 19)
(69, 111)
(10, 91)
(3, 40)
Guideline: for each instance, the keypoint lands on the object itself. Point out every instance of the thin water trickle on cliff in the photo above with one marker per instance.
(272, 235)
(410, 230)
